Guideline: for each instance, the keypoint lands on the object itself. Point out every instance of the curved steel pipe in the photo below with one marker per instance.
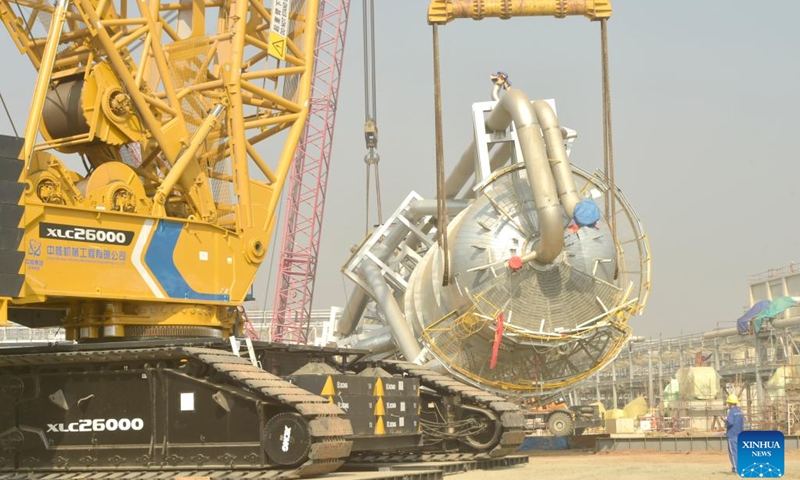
(352, 312)
(358, 299)
(391, 311)
(516, 106)
(556, 151)
(378, 343)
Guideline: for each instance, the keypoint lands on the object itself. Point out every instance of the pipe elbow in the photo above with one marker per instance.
(546, 115)
(513, 105)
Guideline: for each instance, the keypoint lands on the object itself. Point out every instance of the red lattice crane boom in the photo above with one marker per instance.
(308, 182)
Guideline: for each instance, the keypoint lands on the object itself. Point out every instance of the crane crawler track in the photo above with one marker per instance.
(511, 418)
(327, 428)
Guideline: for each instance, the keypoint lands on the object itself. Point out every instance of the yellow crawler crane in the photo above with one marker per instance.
(146, 259)
(165, 103)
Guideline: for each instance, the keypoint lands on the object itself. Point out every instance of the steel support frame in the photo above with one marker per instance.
(308, 182)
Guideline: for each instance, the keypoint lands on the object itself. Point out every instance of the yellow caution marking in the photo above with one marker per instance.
(378, 391)
(328, 390)
(277, 46)
(4, 311)
(380, 429)
(379, 409)
(279, 29)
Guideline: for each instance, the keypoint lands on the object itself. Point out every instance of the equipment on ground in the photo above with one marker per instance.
(533, 288)
(145, 258)
(561, 420)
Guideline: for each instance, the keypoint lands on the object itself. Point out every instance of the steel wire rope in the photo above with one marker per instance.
(441, 213)
(608, 145)
(271, 269)
(25, 21)
(372, 158)
(8, 114)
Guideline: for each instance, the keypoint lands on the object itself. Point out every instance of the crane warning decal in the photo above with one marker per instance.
(279, 28)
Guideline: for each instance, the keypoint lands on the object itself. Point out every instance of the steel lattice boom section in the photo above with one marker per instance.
(308, 181)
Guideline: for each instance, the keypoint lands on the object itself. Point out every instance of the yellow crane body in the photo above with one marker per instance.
(166, 229)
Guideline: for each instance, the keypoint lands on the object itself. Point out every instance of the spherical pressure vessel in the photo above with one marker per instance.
(546, 325)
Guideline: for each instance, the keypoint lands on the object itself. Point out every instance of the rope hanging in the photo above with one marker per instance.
(371, 159)
(441, 201)
(608, 144)
(8, 114)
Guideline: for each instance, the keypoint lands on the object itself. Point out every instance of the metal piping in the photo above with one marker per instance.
(391, 311)
(720, 333)
(352, 312)
(357, 302)
(421, 208)
(379, 343)
(786, 322)
(734, 332)
(557, 152)
(515, 105)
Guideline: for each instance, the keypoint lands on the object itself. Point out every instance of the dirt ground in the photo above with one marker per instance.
(627, 465)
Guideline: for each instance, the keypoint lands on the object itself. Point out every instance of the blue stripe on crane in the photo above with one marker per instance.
(160, 261)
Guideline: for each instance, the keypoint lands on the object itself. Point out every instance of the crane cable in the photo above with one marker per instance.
(8, 114)
(441, 213)
(370, 108)
(608, 146)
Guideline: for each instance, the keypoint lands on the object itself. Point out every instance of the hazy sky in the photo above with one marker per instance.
(705, 105)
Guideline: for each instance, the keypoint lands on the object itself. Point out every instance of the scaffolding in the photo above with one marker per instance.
(745, 362)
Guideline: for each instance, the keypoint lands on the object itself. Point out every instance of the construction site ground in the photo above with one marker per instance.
(626, 465)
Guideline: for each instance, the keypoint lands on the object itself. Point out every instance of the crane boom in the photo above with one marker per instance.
(309, 180)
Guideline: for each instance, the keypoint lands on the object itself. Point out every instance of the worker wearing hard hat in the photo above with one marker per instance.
(734, 424)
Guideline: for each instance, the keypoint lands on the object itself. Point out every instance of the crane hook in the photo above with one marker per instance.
(500, 80)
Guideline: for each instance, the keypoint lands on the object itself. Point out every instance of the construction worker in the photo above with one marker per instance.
(734, 424)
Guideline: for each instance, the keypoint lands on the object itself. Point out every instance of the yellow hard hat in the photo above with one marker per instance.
(733, 399)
